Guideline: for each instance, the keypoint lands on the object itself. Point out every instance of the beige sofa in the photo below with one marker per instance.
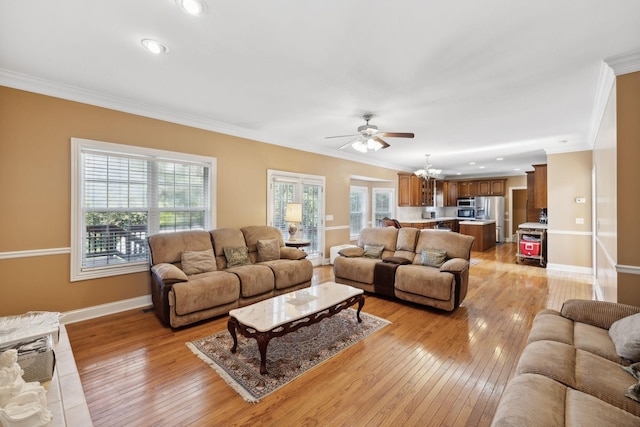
(570, 373)
(192, 278)
(443, 287)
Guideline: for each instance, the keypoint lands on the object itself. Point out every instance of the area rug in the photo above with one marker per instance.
(288, 356)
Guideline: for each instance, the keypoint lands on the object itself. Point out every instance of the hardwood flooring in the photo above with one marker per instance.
(428, 368)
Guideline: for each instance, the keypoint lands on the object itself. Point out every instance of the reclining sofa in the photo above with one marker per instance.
(196, 275)
(575, 369)
(428, 267)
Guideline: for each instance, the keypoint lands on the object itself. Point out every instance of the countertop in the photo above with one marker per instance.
(533, 226)
(478, 222)
(428, 220)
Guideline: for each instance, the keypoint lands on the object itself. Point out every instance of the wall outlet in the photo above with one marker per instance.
(581, 200)
(579, 220)
(329, 218)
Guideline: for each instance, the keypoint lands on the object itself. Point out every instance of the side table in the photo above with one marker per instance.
(297, 243)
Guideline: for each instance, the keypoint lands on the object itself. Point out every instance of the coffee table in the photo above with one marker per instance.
(289, 312)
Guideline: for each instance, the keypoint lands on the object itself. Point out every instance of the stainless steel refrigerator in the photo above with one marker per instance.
(492, 207)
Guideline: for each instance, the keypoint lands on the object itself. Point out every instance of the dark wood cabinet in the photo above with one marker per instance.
(467, 188)
(414, 191)
(452, 194)
(540, 186)
(404, 190)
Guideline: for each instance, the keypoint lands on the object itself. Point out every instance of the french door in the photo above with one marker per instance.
(287, 187)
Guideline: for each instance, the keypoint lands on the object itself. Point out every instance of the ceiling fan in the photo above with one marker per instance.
(369, 137)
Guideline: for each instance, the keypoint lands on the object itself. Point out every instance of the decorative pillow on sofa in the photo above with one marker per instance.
(292, 253)
(194, 262)
(373, 251)
(236, 256)
(268, 250)
(625, 334)
(169, 273)
(433, 257)
(352, 252)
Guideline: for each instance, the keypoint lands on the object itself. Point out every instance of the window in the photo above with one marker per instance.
(357, 210)
(383, 201)
(287, 187)
(122, 194)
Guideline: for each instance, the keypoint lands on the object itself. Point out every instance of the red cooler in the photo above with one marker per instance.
(529, 248)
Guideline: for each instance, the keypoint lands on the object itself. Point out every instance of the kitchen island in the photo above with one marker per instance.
(484, 232)
(431, 223)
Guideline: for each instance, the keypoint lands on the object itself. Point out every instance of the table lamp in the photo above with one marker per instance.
(293, 216)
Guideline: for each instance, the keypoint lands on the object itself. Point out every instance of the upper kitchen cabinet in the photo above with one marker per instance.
(446, 193)
(467, 188)
(540, 186)
(493, 187)
(414, 191)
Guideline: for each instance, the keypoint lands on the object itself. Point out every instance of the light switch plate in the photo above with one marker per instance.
(579, 220)
(328, 218)
(581, 200)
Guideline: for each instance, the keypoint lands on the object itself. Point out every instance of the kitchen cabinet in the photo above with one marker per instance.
(414, 191)
(492, 187)
(540, 186)
(483, 232)
(446, 194)
(467, 188)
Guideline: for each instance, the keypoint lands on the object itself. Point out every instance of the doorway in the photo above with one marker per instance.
(518, 209)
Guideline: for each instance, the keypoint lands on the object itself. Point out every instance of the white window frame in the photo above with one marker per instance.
(79, 273)
(365, 205)
(392, 201)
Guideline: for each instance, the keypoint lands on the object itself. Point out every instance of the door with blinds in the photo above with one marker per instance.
(308, 190)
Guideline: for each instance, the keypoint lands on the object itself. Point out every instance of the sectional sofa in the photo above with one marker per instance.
(576, 369)
(196, 275)
(428, 267)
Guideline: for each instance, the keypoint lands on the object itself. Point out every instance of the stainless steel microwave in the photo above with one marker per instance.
(466, 213)
(467, 203)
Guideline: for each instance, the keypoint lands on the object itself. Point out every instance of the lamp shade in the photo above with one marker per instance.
(294, 212)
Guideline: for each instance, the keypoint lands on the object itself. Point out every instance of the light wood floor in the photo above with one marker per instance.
(427, 368)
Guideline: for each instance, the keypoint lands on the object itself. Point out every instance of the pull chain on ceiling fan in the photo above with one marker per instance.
(369, 138)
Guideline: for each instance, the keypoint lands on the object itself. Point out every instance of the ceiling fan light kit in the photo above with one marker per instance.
(369, 137)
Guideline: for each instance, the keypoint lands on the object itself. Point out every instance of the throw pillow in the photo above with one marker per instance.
(268, 250)
(194, 262)
(352, 252)
(625, 334)
(373, 251)
(433, 257)
(169, 273)
(236, 256)
(292, 253)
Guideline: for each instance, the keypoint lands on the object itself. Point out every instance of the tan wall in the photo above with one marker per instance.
(35, 181)
(568, 177)
(604, 161)
(628, 177)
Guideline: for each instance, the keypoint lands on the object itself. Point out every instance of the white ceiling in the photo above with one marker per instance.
(474, 80)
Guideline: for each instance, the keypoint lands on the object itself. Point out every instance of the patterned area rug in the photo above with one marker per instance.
(288, 356)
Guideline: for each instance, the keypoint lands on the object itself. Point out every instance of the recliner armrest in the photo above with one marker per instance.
(455, 265)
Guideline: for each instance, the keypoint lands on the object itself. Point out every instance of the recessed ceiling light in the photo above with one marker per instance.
(481, 167)
(516, 169)
(154, 46)
(459, 173)
(472, 163)
(563, 141)
(191, 7)
(499, 158)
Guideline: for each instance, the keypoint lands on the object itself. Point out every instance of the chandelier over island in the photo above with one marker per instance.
(428, 172)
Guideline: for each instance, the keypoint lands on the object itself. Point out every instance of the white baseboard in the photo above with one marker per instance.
(570, 268)
(105, 309)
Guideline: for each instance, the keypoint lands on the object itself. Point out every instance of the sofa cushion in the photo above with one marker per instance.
(407, 239)
(424, 281)
(535, 400)
(457, 245)
(169, 273)
(195, 262)
(355, 269)
(625, 334)
(289, 273)
(204, 291)
(372, 251)
(597, 313)
(236, 256)
(268, 250)
(431, 257)
(386, 237)
(168, 247)
(226, 237)
(254, 279)
(253, 233)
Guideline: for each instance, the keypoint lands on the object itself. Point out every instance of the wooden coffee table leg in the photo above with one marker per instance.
(231, 326)
(360, 305)
(263, 340)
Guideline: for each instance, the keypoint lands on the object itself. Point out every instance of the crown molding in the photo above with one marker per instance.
(625, 63)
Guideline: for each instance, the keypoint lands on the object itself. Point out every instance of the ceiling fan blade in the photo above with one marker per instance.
(381, 141)
(347, 144)
(397, 134)
(340, 136)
